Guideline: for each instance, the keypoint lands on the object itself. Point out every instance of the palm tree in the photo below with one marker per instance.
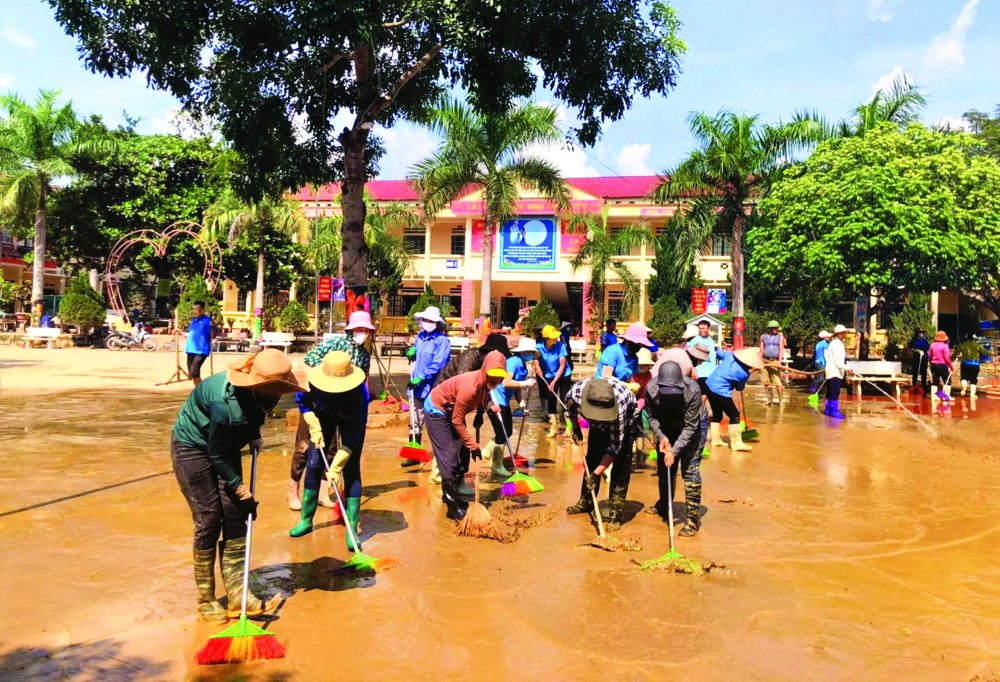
(602, 252)
(902, 103)
(231, 220)
(38, 144)
(488, 151)
(737, 160)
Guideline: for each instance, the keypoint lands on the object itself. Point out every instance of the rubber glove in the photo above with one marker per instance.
(415, 381)
(410, 352)
(634, 387)
(315, 430)
(336, 473)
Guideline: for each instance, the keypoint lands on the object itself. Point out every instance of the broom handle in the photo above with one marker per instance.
(246, 556)
(506, 440)
(343, 507)
(670, 506)
(477, 481)
(593, 495)
(901, 405)
(524, 415)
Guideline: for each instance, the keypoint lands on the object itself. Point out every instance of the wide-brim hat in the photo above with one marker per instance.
(269, 371)
(839, 328)
(598, 403)
(432, 314)
(496, 341)
(336, 374)
(750, 357)
(690, 332)
(699, 353)
(359, 318)
(645, 357)
(825, 334)
(525, 345)
(636, 333)
(940, 336)
(550, 332)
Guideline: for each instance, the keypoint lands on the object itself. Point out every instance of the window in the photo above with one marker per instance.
(399, 304)
(615, 304)
(452, 302)
(722, 244)
(415, 241)
(619, 252)
(241, 301)
(458, 241)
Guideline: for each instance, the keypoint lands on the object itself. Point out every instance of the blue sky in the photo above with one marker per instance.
(768, 56)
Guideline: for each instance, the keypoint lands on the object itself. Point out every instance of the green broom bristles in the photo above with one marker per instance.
(243, 641)
(362, 563)
(520, 484)
(651, 457)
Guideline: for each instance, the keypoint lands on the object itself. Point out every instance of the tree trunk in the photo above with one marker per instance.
(737, 289)
(95, 279)
(38, 267)
(258, 296)
(486, 292)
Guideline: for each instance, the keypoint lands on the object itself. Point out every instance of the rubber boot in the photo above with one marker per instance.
(972, 391)
(310, 500)
(769, 395)
(834, 407)
(457, 507)
(553, 426)
(947, 393)
(779, 396)
(965, 387)
(496, 467)
(692, 507)
(353, 514)
(324, 494)
(736, 439)
(616, 507)
(292, 496)
(209, 608)
(715, 430)
(435, 477)
(583, 506)
(233, 558)
(826, 410)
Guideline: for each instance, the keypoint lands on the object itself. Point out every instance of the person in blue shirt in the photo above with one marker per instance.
(819, 363)
(551, 366)
(705, 340)
(510, 391)
(199, 341)
(621, 360)
(430, 352)
(566, 331)
(608, 337)
(919, 348)
(731, 375)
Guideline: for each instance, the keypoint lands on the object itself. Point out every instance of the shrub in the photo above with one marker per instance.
(914, 315)
(668, 321)
(294, 317)
(428, 298)
(540, 315)
(82, 306)
(195, 290)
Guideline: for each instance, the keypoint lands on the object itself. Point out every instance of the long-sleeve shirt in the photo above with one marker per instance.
(360, 357)
(681, 427)
(467, 361)
(728, 376)
(836, 359)
(919, 344)
(705, 369)
(819, 354)
(432, 353)
(340, 414)
(623, 365)
(213, 419)
(940, 354)
(457, 397)
(628, 411)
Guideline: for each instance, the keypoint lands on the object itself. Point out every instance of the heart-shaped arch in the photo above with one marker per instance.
(159, 241)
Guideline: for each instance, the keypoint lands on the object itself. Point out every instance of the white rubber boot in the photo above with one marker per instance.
(736, 439)
(965, 387)
(972, 391)
(292, 496)
(715, 430)
(553, 426)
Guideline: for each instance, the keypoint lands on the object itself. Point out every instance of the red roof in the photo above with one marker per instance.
(616, 187)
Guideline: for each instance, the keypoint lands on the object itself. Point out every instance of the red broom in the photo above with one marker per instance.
(415, 451)
(242, 641)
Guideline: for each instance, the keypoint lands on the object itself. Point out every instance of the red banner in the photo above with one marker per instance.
(699, 301)
(467, 304)
(528, 207)
(324, 288)
(478, 229)
(570, 243)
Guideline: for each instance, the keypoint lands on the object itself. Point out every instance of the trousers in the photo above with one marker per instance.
(213, 507)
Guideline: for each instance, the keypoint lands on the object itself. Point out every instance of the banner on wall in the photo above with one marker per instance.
(478, 230)
(467, 304)
(570, 243)
(716, 303)
(324, 289)
(338, 289)
(528, 244)
(699, 301)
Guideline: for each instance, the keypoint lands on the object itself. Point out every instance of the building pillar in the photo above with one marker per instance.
(935, 296)
(427, 252)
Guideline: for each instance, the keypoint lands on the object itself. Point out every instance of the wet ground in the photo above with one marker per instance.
(864, 550)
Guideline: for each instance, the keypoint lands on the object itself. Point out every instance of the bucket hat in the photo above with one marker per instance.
(495, 341)
(360, 318)
(839, 328)
(940, 336)
(525, 345)
(432, 314)
(773, 323)
(336, 374)
(598, 402)
(699, 353)
(825, 334)
(645, 357)
(636, 333)
(690, 332)
(269, 371)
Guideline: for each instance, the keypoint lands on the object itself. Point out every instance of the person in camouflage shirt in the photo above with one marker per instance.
(354, 342)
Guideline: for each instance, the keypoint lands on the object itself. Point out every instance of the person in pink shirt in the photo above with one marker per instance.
(941, 365)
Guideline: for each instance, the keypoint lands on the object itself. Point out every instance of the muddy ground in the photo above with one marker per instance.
(864, 550)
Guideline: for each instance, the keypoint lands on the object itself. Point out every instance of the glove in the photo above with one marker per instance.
(411, 352)
(577, 435)
(590, 480)
(477, 421)
(476, 454)
(315, 430)
(524, 404)
(336, 473)
(248, 506)
(634, 387)
(415, 381)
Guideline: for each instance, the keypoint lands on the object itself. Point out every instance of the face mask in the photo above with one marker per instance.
(527, 357)
(428, 326)
(360, 338)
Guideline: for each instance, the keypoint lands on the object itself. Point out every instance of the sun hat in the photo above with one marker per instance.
(495, 364)
(645, 357)
(698, 352)
(598, 402)
(690, 332)
(773, 323)
(565, 324)
(495, 341)
(750, 357)
(636, 333)
(940, 336)
(432, 314)
(269, 371)
(336, 374)
(550, 332)
(359, 318)
(525, 345)
(839, 328)
(670, 378)
(825, 334)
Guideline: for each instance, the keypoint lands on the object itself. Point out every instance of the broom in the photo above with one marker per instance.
(243, 641)
(518, 484)
(672, 560)
(359, 563)
(749, 432)
(518, 459)
(477, 522)
(603, 540)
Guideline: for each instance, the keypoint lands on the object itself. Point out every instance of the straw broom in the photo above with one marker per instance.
(672, 560)
(477, 522)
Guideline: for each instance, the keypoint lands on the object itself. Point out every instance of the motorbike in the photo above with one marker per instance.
(117, 340)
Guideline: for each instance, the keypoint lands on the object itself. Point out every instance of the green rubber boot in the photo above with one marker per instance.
(353, 514)
(310, 500)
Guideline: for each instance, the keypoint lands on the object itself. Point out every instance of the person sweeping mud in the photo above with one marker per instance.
(836, 371)
(675, 411)
(429, 353)
(551, 368)
(941, 365)
(971, 353)
(819, 361)
(223, 415)
(611, 409)
(510, 391)
(730, 375)
(447, 407)
(338, 402)
(919, 345)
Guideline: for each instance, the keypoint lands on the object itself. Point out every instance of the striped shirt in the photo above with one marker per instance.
(627, 410)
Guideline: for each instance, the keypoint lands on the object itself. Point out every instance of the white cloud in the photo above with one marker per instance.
(5, 80)
(406, 144)
(571, 160)
(948, 48)
(885, 82)
(631, 160)
(952, 123)
(883, 10)
(11, 34)
(174, 121)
